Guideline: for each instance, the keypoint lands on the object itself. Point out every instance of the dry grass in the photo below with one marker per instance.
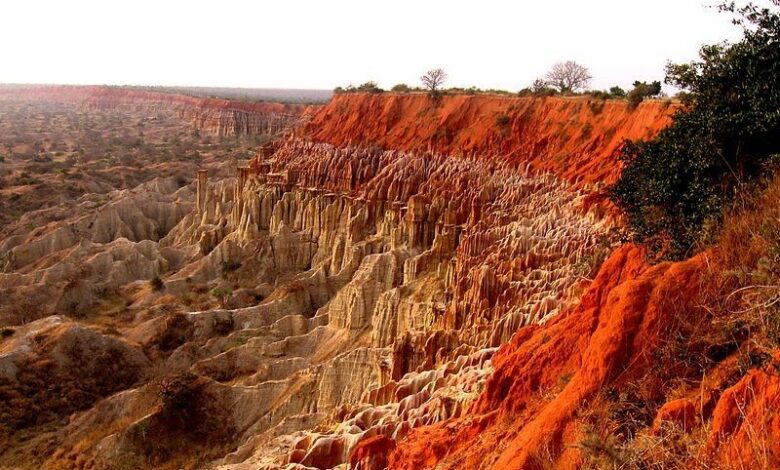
(749, 253)
(735, 328)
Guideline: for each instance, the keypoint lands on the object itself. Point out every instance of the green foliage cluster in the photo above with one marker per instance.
(613, 93)
(641, 91)
(229, 266)
(368, 87)
(618, 92)
(680, 181)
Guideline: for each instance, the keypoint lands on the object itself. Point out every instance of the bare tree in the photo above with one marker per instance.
(568, 76)
(434, 79)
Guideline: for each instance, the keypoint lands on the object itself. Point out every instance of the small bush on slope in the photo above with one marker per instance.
(674, 183)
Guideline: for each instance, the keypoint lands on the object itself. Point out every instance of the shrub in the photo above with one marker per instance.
(617, 92)
(600, 95)
(369, 87)
(641, 91)
(539, 88)
(178, 395)
(502, 121)
(525, 92)
(714, 148)
(229, 266)
(156, 283)
(401, 88)
(222, 294)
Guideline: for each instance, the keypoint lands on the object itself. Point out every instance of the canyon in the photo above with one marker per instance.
(212, 115)
(382, 281)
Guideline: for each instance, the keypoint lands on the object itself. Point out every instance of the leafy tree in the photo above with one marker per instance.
(568, 76)
(723, 140)
(641, 91)
(433, 80)
(617, 92)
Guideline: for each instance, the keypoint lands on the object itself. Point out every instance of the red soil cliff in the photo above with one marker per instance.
(533, 410)
(572, 137)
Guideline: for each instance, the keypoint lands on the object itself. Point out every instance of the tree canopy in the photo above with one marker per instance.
(434, 79)
(716, 146)
(568, 76)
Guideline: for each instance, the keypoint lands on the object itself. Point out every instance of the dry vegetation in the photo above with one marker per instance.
(54, 156)
(716, 339)
(54, 153)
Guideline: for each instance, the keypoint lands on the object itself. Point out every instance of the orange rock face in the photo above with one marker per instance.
(746, 422)
(572, 137)
(601, 342)
(681, 412)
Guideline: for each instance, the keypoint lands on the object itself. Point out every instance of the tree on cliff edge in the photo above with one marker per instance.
(433, 80)
(675, 186)
(568, 76)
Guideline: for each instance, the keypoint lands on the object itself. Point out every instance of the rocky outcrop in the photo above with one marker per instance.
(745, 425)
(550, 380)
(600, 341)
(108, 242)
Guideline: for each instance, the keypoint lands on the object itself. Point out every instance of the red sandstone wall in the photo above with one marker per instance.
(572, 137)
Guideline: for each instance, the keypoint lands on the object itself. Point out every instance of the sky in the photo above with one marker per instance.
(323, 44)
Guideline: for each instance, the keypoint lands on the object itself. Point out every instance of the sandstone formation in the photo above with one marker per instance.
(109, 243)
(397, 275)
(402, 283)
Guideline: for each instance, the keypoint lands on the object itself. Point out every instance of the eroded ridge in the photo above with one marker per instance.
(397, 274)
(371, 289)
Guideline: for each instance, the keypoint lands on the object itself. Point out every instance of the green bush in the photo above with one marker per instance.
(641, 91)
(401, 88)
(617, 92)
(715, 147)
(369, 87)
(540, 88)
(229, 266)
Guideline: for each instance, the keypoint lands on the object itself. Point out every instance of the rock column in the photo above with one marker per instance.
(203, 181)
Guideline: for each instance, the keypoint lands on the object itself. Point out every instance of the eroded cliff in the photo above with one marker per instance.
(574, 138)
(369, 267)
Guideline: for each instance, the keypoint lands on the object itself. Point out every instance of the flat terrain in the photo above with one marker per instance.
(51, 154)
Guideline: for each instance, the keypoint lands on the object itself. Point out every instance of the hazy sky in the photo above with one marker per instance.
(321, 44)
